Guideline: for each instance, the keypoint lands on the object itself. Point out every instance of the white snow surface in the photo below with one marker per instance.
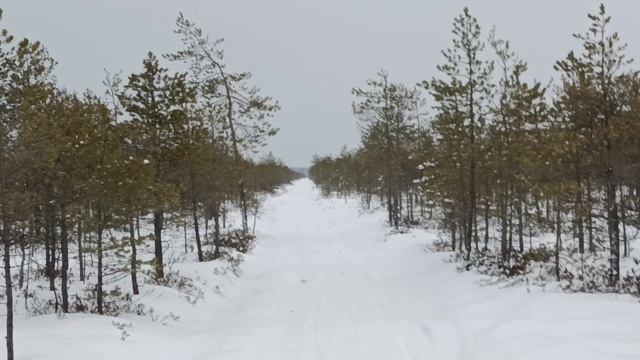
(328, 281)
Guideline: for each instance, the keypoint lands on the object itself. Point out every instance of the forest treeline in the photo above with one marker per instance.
(502, 152)
(157, 144)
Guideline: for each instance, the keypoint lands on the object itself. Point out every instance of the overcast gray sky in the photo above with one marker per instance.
(308, 54)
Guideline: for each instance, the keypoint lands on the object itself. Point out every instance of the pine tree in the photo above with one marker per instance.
(461, 97)
(156, 102)
(24, 67)
(388, 126)
(519, 112)
(246, 112)
(598, 78)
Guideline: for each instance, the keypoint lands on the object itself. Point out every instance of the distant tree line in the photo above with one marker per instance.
(503, 152)
(73, 166)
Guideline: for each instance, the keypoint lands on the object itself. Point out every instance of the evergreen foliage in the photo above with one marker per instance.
(73, 168)
(505, 155)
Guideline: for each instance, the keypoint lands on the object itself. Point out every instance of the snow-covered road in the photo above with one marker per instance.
(327, 282)
(325, 285)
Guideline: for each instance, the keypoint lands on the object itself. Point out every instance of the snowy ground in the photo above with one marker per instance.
(328, 282)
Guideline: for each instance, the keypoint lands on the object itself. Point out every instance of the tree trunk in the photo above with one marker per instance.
(389, 205)
(206, 228)
(234, 145)
(138, 224)
(579, 215)
(623, 214)
(520, 225)
(52, 253)
(224, 215)
(614, 233)
(49, 243)
(510, 209)
(504, 248)
(486, 220)
(8, 286)
(538, 209)
(592, 247)
(158, 218)
(255, 217)
(134, 258)
(244, 210)
(410, 205)
(396, 210)
(99, 294)
(80, 252)
(558, 241)
(547, 209)
(64, 253)
(216, 231)
(184, 229)
(196, 228)
(453, 234)
(471, 221)
(471, 212)
(23, 256)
